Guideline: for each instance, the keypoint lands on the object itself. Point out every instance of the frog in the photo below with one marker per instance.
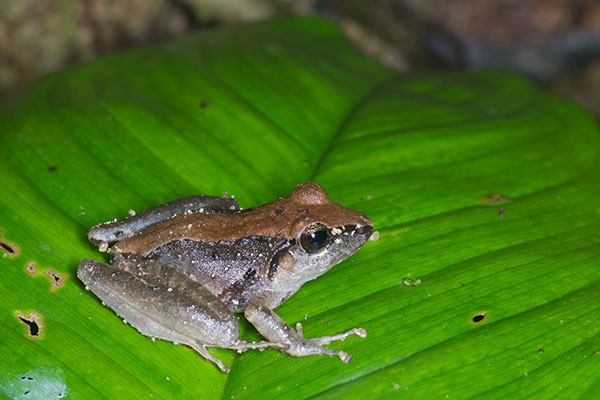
(181, 270)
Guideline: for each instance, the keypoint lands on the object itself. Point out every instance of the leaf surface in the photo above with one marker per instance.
(485, 279)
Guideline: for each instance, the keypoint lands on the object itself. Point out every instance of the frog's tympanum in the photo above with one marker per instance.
(178, 271)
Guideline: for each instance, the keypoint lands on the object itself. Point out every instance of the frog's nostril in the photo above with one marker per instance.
(365, 230)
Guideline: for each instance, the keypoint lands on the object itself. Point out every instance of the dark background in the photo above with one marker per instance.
(553, 42)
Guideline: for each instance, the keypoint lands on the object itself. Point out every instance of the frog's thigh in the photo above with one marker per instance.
(179, 310)
(118, 230)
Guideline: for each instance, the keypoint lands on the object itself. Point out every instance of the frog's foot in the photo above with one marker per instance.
(312, 346)
(275, 330)
(204, 352)
(241, 345)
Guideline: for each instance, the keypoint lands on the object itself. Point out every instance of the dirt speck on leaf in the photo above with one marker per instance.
(493, 200)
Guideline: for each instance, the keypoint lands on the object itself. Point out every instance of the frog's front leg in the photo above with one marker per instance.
(281, 335)
(103, 234)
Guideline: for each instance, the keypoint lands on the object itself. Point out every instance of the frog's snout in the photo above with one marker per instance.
(365, 230)
(359, 234)
(364, 233)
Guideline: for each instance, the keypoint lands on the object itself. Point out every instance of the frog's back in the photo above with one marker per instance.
(203, 227)
(285, 218)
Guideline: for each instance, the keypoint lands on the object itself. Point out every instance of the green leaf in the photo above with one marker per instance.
(484, 282)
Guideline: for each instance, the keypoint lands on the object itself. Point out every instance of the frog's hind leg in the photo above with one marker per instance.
(109, 232)
(161, 302)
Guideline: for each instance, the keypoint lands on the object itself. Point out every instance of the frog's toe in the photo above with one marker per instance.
(308, 347)
(345, 357)
(340, 336)
(342, 355)
(204, 352)
(360, 332)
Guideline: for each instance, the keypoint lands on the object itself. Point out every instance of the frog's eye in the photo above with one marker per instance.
(314, 238)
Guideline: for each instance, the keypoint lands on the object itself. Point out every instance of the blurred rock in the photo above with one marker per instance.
(504, 22)
(542, 59)
(542, 39)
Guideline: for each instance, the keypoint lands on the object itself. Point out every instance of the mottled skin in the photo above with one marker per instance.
(181, 269)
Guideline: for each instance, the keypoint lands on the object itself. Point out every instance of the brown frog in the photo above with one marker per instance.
(178, 271)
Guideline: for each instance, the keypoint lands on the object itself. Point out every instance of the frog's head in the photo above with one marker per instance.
(325, 233)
